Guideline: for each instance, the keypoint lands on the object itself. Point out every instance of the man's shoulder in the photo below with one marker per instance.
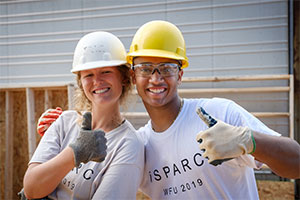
(209, 102)
(216, 107)
(144, 132)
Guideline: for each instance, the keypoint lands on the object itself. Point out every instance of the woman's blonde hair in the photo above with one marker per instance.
(82, 103)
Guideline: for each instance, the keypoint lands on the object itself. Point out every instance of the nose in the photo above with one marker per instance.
(156, 69)
(98, 79)
(156, 77)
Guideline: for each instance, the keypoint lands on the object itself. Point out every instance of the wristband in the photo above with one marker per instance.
(253, 141)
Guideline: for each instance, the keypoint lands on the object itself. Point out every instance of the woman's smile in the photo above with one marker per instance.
(101, 91)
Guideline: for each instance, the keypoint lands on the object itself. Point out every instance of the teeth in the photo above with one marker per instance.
(101, 91)
(156, 91)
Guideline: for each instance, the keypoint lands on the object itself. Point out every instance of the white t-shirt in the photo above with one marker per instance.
(117, 177)
(175, 168)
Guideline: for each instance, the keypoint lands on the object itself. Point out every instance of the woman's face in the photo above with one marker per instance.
(102, 86)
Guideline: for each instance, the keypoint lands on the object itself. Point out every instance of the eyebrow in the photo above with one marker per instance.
(146, 63)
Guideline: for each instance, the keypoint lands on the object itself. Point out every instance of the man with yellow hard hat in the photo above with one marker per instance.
(188, 153)
(176, 168)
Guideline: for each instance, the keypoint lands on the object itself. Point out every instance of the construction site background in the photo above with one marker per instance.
(269, 186)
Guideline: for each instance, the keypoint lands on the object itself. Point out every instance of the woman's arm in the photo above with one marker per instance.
(90, 145)
(47, 176)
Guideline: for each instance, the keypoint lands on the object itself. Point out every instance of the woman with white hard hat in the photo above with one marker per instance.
(91, 156)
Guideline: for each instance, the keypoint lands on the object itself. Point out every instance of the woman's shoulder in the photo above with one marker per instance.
(131, 134)
(68, 119)
(69, 114)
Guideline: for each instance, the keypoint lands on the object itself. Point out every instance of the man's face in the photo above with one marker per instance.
(156, 80)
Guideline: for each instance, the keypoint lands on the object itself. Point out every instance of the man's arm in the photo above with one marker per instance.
(281, 154)
(222, 142)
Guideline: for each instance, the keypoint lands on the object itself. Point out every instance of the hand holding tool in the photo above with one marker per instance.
(222, 142)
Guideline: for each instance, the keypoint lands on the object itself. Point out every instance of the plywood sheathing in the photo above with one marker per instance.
(20, 137)
(20, 143)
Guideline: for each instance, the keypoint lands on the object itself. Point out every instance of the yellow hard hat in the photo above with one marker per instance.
(158, 39)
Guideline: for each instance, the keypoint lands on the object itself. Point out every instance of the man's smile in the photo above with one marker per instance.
(156, 90)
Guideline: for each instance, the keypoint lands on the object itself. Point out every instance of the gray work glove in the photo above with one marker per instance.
(90, 144)
(22, 195)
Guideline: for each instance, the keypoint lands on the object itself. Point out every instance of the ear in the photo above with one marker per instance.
(180, 74)
(132, 76)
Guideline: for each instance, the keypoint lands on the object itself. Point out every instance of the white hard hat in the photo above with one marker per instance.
(98, 49)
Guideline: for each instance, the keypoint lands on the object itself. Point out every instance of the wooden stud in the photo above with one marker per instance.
(256, 114)
(71, 92)
(135, 114)
(8, 188)
(291, 106)
(236, 78)
(48, 97)
(270, 114)
(30, 122)
(41, 86)
(234, 90)
(230, 90)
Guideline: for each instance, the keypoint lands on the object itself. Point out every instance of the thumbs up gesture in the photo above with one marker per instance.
(90, 144)
(222, 142)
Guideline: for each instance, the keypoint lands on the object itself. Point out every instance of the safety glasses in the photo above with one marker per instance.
(164, 69)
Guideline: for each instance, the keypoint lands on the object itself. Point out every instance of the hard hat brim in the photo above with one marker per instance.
(157, 53)
(98, 64)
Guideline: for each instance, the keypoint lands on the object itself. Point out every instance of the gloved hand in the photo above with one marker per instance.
(47, 118)
(22, 195)
(90, 144)
(222, 142)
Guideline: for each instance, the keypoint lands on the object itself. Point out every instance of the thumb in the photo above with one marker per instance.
(87, 121)
(209, 120)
